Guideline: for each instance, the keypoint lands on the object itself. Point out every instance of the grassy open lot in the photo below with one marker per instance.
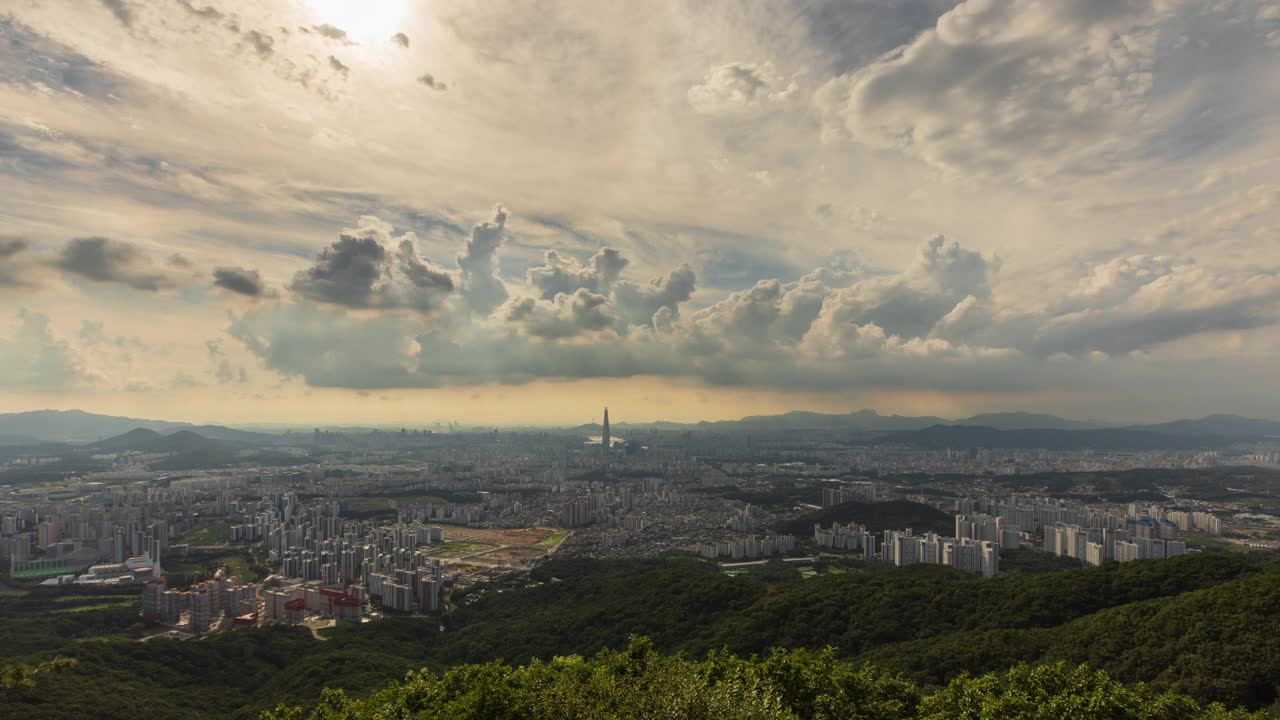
(1214, 543)
(116, 603)
(554, 538)
(197, 565)
(211, 534)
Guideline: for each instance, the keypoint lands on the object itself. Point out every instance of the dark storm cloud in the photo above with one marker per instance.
(122, 10)
(430, 81)
(110, 261)
(239, 280)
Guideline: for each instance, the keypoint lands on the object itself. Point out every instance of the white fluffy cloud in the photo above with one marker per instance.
(940, 323)
(739, 87)
(33, 357)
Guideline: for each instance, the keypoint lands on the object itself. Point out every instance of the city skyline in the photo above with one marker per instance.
(288, 209)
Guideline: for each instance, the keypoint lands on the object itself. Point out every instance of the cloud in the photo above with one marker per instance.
(430, 81)
(336, 65)
(14, 268)
(738, 86)
(262, 43)
(1028, 86)
(939, 323)
(639, 303)
(329, 31)
(208, 12)
(560, 274)
(10, 246)
(122, 10)
(226, 373)
(239, 280)
(479, 284)
(565, 316)
(33, 358)
(110, 261)
(400, 39)
(370, 267)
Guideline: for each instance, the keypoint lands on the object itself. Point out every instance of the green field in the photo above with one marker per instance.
(117, 603)
(42, 573)
(1214, 543)
(212, 534)
(201, 564)
(66, 599)
(554, 538)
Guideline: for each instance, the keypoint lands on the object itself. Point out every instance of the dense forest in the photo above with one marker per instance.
(876, 517)
(638, 683)
(1206, 627)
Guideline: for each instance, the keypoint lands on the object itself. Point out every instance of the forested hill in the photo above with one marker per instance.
(876, 517)
(640, 684)
(1204, 626)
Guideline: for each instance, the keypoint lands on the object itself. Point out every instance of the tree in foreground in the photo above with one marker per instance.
(639, 683)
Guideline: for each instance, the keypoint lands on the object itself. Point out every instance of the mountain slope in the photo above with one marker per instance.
(963, 437)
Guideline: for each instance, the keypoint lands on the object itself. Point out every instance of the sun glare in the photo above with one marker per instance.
(365, 21)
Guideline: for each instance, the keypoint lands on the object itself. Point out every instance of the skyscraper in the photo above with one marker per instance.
(604, 432)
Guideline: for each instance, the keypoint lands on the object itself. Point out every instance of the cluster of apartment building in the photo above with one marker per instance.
(748, 548)
(848, 491)
(203, 607)
(111, 527)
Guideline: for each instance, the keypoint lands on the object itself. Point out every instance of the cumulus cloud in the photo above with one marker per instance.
(938, 323)
(564, 316)
(337, 66)
(111, 261)
(738, 86)
(33, 357)
(1027, 86)
(639, 303)
(241, 281)
(559, 274)
(400, 39)
(370, 267)
(479, 283)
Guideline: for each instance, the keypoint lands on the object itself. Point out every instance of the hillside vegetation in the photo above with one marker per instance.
(1206, 627)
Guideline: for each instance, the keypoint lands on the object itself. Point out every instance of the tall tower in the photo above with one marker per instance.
(604, 432)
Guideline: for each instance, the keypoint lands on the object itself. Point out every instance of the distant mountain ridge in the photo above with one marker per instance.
(78, 426)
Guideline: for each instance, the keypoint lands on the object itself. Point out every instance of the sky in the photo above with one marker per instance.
(418, 211)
